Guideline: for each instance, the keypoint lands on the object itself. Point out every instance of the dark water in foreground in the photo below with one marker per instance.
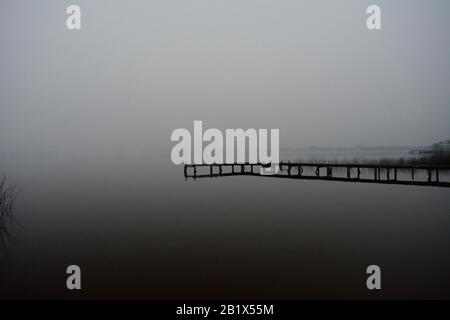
(137, 229)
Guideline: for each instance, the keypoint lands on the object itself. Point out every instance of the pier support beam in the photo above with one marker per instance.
(329, 172)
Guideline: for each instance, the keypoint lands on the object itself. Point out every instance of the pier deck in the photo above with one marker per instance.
(437, 176)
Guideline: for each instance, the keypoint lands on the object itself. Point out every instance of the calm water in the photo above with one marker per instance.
(139, 230)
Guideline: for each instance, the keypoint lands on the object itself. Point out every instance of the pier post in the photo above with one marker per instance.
(412, 174)
(395, 174)
(348, 172)
(429, 175)
(359, 173)
(437, 175)
(318, 171)
(388, 170)
(300, 170)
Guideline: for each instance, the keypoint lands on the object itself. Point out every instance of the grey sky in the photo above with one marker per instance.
(139, 69)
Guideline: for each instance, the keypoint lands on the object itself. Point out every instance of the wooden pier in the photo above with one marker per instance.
(437, 176)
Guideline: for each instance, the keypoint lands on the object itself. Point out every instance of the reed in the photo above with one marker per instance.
(8, 195)
(433, 159)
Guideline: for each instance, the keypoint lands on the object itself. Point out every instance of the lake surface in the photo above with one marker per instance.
(137, 229)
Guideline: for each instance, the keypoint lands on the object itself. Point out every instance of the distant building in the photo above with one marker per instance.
(443, 146)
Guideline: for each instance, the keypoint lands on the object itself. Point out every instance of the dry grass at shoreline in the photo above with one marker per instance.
(434, 159)
(8, 195)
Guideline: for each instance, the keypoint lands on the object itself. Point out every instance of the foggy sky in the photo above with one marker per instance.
(139, 69)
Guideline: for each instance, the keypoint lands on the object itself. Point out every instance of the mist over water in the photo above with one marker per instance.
(135, 72)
